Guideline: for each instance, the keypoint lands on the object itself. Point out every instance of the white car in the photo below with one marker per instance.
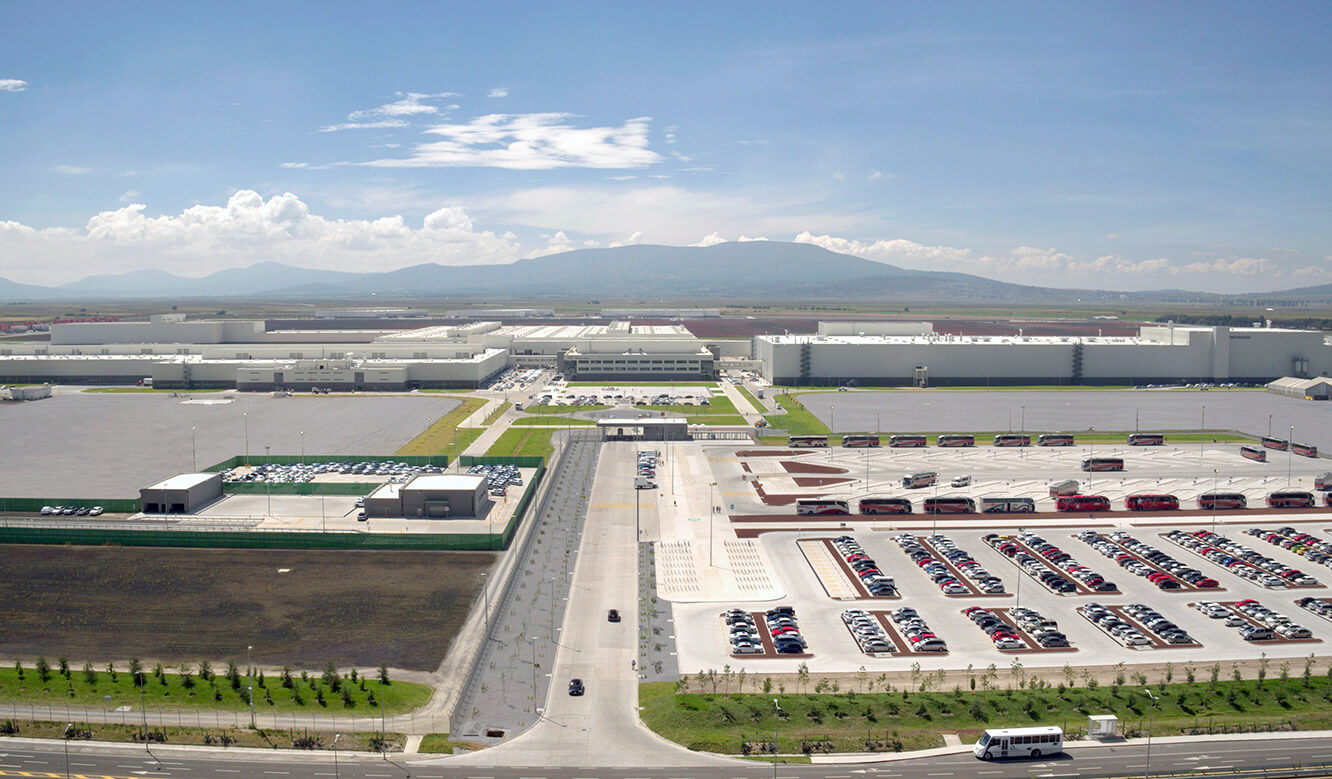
(47, 510)
(961, 481)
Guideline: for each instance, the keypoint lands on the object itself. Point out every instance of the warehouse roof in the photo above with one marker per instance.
(442, 481)
(184, 481)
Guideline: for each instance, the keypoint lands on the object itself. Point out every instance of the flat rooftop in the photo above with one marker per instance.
(446, 481)
(183, 481)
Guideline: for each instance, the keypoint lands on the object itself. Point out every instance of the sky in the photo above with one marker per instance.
(1125, 145)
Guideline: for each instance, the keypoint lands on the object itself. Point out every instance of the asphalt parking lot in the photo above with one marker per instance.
(930, 411)
(103, 445)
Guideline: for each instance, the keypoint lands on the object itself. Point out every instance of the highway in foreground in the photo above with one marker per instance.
(31, 758)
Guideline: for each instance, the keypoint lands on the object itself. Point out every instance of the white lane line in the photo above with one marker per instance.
(227, 770)
(279, 773)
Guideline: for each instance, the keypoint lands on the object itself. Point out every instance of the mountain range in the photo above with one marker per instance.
(747, 271)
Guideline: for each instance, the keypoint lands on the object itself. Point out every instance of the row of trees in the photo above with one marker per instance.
(186, 673)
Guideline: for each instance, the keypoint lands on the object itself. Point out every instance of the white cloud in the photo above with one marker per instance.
(130, 195)
(711, 239)
(390, 115)
(247, 229)
(499, 92)
(893, 251)
(72, 170)
(875, 175)
(1240, 266)
(747, 239)
(681, 157)
(12, 85)
(530, 142)
(633, 240)
(379, 124)
(295, 165)
(1312, 272)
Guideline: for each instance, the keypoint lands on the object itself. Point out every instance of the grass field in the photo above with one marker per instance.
(496, 414)
(522, 443)
(797, 420)
(718, 405)
(212, 736)
(563, 409)
(187, 687)
(552, 421)
(750, 397)
(297, 608)
(715, 419)
(444, 436)
(436, 744)
(901, 720)
(117, 390)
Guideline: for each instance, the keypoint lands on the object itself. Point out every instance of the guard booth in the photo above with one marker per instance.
(1102, 726)
(643, 428)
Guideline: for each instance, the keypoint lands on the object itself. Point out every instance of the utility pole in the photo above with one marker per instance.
(1147, 770)
(249, 678)
(68, 727)
(194, 449)
(1290, 453)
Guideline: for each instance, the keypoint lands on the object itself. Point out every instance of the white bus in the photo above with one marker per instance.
(860, 440)
(1019, 742)
(816, 506)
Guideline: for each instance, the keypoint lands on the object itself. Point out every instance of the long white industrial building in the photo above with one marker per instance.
(903, 353)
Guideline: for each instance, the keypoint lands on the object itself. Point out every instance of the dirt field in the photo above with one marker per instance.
(111, 603)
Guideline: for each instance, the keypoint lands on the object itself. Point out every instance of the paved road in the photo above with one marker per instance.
(31, 758)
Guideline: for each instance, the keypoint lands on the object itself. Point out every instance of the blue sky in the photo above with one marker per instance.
(1119, 145)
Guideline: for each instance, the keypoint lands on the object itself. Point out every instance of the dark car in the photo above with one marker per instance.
(613, 615)
(576, 687)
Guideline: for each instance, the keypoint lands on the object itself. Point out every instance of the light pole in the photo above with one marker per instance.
(832, 419)
(712, 513)
(776, 716)
(532, 642)
(550, 615)
(485, 591)
(1022, 423)
(249, 681)
(1136, 412)
(1290, 453)
(1214, 500)
(302, 447)
(245, 422)
(268, 484)
(194, 449)
(1202, 430)
(1147, 770)
(1269, 425)
(68, 726)
(336, 773)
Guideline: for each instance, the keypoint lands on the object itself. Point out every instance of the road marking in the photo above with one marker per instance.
(949, 773)
(227, 770)
(282, 773)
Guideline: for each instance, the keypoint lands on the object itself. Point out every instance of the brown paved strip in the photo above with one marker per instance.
(799, 467)
(1157, 643)
(765, 453)
(1285, 584)
(765, 638)
(818, 481)
(850, 574)
(973, 592)
(1183, 585)
(1280, 639)
(897, 638)
(1082, 589)
(1007, 618)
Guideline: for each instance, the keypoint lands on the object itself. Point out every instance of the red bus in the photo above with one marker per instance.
(1222, 501)
(1253, 453)
(860, 441)
(1103, 464)
(885, 506)
(807, 441)
(957, 439)
(1290, 499)
(1146, 439)
(809, 506)
(1082, 503)
(1055, 439)
(1304, 450)
(1151, 503)
(950, 505)
(1280, 444)
(902, 441)
(1012, 439)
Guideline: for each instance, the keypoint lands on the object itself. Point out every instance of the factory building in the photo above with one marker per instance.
(183, 493)
(911, 353)
(431, 496)
(1304, 389)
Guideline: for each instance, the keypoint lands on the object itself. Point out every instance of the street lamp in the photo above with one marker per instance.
(336, 773)
(245, 422)
(1269, 425)
(302, 447)
(1136, 412)
(532, 642)
(776, 715)
(68, 726)
(1202, 429)
(485, 590)
(1147, 770)
(194, 449)
(1022, 422)
(249, 680)
(268, 483)
(712, 513)
(1214, 500)
(1290, 453)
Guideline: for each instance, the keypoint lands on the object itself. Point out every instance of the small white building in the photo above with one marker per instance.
(183, 493)
(1305, 389)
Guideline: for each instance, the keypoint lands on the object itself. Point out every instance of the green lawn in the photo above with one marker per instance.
(898, 720)
(436, 744)
(551, 421)
(718, 405)
(444, 436)
(174, 690)
(518, 442)
(210, 736)
(797, 420)
(758, 406)
(496, 414)
(147, 389)
(715, 419)
(563, 409)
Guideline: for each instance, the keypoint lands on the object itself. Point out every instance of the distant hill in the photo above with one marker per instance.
(743, 271)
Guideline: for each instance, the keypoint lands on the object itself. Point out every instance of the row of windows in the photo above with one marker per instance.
(1047, 738)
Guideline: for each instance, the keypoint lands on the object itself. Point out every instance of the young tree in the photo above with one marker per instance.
(63, 665)
(331, 677)
(186, 676)
(233, 675)
(89, 675)
(206, 671)
(286, 677)
(802, 673)
(383, 673)
(18, 669)
(43, 669)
